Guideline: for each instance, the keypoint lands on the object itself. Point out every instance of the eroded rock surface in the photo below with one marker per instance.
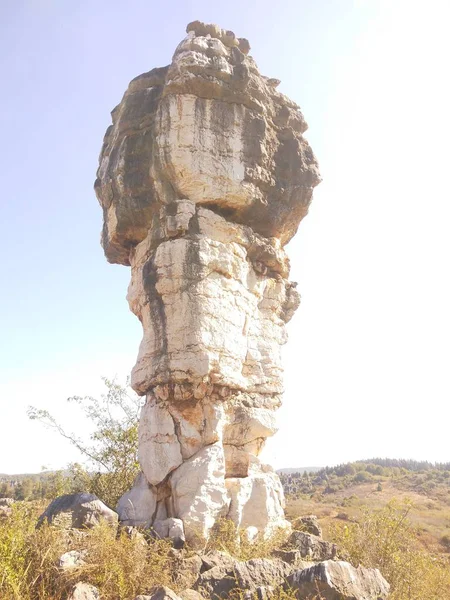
(204, 176)
(339, 580)
(79, 511)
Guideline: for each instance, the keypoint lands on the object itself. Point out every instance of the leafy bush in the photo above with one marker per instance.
(362, 477)
(111, 453)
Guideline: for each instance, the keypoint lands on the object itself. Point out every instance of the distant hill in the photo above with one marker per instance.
(341, 492)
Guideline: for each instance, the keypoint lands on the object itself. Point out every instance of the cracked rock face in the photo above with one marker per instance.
(204, 176)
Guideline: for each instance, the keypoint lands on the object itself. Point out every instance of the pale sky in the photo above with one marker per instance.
(367, 363)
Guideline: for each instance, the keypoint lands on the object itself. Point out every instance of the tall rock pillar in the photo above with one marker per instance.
(204, 176)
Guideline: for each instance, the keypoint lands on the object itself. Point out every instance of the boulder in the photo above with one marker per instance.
(308, 523)
(199, 493)
(172, 529)
(220, 581)
(84, 591)
(257, 502)
(304, 545)
(79, 511)
(186, 570)
(338, 580)
(137, 507)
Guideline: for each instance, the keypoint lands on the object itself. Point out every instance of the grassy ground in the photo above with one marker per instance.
(342, 499)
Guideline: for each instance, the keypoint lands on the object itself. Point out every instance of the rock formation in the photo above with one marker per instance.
(204, 176)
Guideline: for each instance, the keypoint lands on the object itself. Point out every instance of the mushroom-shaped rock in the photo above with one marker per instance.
(204, 176)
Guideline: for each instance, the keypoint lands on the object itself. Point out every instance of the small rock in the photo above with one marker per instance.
(6, 501)
(160, 593)
(186, 570)
(190, 595)
(133, 533)
(244, 45)
(311, 547)
(5, 512)
(171, 528)
(309, 523)
(261, 593)
(84, 591)
(71, 559)
(176, 532)
(338, 580)
(217, 559)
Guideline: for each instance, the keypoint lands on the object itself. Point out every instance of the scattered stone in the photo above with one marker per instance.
(187, 570)
(216, 558)
(309, 523)
(84, 591)
(72, 559)
(338, 580)
(6, 502)
(171, 528)
(260, 593)
(79, 511)
(133, 533)
(5, 512)
(311, 547)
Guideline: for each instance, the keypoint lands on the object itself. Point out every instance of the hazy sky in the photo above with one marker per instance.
(368, 361)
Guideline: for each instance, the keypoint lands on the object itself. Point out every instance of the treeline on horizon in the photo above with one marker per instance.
(390, 463)
(48, 485)
(375, 466)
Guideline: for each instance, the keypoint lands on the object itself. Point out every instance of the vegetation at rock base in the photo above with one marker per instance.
(111, 452)
(120, 567)
(389, 514)
(225, 538)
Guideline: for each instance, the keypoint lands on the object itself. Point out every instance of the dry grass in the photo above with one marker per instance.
(120, 567)
(123, 567)
(226, 538)
(387, 540)
(431, 516)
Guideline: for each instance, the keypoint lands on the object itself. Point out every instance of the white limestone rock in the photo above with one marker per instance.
(257, 502)
(84, 591)
(137, 507)
(159, 448)
(204, 176)
(199, 493)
